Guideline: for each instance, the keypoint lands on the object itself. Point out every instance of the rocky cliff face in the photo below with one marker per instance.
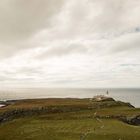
(134, 120)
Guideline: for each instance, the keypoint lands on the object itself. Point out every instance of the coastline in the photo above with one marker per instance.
(131, 95)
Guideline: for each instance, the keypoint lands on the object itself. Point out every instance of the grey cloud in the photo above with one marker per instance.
(103, 34)
(131, 31)
(3, 78)
(86, 19)
(22, 18)
(99, 17)
(126, 43)
(65, 49)
(116, 15)
(131, 65)
(8, 78)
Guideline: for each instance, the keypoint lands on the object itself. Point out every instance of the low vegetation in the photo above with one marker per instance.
(69, 119)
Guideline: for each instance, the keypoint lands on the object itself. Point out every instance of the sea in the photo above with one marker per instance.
(131, 95)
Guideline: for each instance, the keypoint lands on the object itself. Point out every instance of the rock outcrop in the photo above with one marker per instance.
(134, 120)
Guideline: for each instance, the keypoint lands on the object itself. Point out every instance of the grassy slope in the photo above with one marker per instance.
(69, 125)
(43, 129)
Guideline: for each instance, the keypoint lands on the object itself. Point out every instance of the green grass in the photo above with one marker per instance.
(36, 128)
(67, 123)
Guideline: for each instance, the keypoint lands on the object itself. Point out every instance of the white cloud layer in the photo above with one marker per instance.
(70, 43)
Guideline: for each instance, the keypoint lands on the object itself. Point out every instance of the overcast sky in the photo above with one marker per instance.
(70, 43)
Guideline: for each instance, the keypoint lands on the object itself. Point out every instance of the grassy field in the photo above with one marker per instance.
(69, 129)
(70, 124)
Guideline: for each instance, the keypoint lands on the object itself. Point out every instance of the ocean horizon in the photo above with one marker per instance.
(131, 95)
